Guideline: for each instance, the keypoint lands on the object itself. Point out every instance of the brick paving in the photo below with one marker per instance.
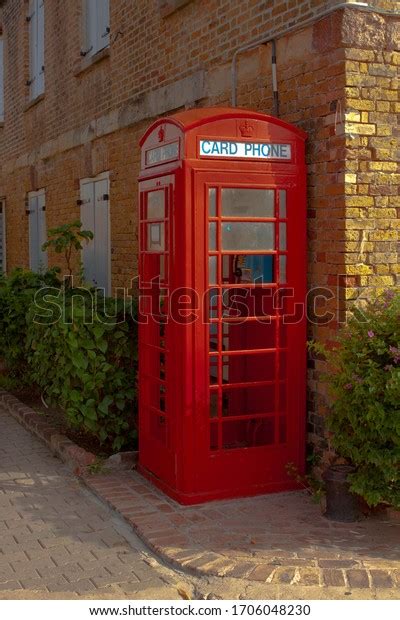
(273, 539)
(57, 539)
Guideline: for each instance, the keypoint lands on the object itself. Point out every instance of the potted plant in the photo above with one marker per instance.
(364, 381)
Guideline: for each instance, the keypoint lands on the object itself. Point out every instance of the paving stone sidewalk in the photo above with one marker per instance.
(272, 539)
(57, 539)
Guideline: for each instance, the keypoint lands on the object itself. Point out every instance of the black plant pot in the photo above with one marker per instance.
(341, 504)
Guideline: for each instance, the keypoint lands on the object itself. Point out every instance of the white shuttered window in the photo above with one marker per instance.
(97, 26)
(37, 230)
(2, 236)
(1, 79)
(95, 216)
(36, 48)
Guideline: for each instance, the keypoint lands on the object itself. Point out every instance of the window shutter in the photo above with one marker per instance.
(101, 235)
(37, 232)
(42, 230)
(88, 223)
(33, 44)
(40, 48)
(1, 80)
(2, 238)
(103, 24)
(33, 234)
(91, 27)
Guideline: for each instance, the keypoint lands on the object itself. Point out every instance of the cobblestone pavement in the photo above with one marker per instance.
(56, 538)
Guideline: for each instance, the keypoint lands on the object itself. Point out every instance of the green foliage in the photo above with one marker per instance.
(17, 292)
(66, 238)
(364, 379)
(86, 363)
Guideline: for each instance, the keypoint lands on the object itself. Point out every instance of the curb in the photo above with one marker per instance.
(76, 458)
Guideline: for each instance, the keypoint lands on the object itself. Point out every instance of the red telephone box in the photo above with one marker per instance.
(222, 339)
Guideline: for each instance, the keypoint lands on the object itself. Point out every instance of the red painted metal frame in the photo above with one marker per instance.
(174, 371)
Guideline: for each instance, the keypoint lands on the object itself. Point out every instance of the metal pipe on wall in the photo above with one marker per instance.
(364, 7)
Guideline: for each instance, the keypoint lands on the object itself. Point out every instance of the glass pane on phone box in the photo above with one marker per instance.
(248, 268)
(212, 236)
(156, 205)
(250, 236)
(212, 202)
(240, 202)
(155, 237)
(248, 433)
(282, 203)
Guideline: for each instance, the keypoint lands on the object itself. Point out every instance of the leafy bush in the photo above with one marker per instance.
(16, 295)
(83, 358)
(364, 378)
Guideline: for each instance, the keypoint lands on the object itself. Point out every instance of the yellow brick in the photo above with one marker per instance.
(382, 270)
(383, 106)
(384, 235)
(383, 165)
(353, 117)
(360, 269)
(383, 130)
(352, 66)
(364, 117)
(360, 129)
(350, 178)
(360, 104)
(351, 293)
(363, 67)
(359, 201)
(382, 213)
(381, 281)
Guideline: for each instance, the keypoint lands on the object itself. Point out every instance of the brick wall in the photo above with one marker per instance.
(356, 236)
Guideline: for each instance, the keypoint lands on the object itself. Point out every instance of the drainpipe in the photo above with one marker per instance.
(275, 80)
(363, 7)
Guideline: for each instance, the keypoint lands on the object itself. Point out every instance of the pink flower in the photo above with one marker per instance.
(371, 334)
(348, 386)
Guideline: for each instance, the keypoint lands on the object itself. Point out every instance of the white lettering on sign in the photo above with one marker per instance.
(248, 150)
(162, 153)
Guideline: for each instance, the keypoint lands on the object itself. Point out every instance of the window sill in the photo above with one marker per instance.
(34, 102)
(85, 64)
(167, 7)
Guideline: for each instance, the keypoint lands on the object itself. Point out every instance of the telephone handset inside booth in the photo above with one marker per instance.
(253, 269)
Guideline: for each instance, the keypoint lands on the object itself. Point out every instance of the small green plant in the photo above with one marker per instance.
(86, 364)
(65, 239)
(17, 292)
(97, 467)
(364, 381)
(313, 485)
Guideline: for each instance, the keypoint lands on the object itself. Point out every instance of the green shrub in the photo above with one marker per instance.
(85, 362)
(17, 292)
(364, 378)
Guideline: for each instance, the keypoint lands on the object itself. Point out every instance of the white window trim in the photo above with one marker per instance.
(3, 217)
(103, 176)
